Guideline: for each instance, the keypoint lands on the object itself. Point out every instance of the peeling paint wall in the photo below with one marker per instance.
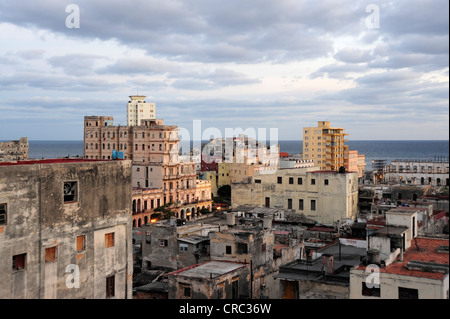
(38, 218)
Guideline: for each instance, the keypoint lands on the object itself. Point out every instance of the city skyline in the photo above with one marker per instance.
(379, 69)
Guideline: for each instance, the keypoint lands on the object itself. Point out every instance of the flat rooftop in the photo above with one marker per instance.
(209, 269)
(406, 210)
(345, 256)
(428, 251)
(390, 231)
(55, 161)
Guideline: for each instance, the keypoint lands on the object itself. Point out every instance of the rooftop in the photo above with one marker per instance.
(53, 161)
(390, 231)
(209, 269)
(405, 210)
(344, 257)
(426, 252)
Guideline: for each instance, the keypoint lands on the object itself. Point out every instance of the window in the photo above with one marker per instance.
(313, 204)
(371, 292)
(187, 291)
(183, 247)
(257, 181)
(18, 262)
(263, 247)
(70, 192)
(163, 242)
(280, 180)
(313, 181)
(291, 180)
(300, 181)
(50, 254)
(109, 240)
(228, 250)
(148, 238)
(81, 243)
(325, 182)
(2, 214)
(289, 203)
(300, 204)
(110, 286)
(241, 248)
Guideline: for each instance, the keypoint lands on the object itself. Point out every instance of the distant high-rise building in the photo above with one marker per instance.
(325, 145)
(138, 109)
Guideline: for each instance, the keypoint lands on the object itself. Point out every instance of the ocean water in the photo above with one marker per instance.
(385, 150)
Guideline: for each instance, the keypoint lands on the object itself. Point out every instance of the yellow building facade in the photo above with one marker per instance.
(325, 145)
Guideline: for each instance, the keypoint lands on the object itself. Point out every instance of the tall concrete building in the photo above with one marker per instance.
(325, 145)
(138, 109)
(159, 177)
(65, 229)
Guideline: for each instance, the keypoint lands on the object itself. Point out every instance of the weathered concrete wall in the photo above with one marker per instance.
(335, 195)
(208, 288)
(164, 256)
(38, 219)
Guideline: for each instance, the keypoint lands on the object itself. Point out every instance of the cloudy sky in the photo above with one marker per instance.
(380, 69)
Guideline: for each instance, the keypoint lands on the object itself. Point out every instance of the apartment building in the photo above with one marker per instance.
(325, 145)
(150, 142)
(138, 109)
(158, 175)
(65, 229)
(324, 196)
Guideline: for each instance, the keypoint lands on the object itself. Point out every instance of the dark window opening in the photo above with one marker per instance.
(228, 250)
(110, 289)
(18, 262)
(300, 204)
(2, 214)
(70, 192)
(407, 293)
(279, 180)
(241, 248)
(371, 292)
(291, 180)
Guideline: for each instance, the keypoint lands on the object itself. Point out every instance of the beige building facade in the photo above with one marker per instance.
(138, 110)
(324, 196)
